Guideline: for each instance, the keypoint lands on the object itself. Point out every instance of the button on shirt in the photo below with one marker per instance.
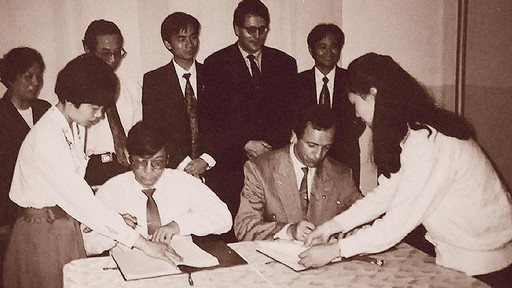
(193, 82)
(320, 83)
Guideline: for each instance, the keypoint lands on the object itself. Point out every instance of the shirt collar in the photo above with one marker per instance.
(180, 71)
(257, 55)
(330, 75)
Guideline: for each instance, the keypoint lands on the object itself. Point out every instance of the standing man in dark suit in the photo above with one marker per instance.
(247, 105)
(170, 95)
(325, 84)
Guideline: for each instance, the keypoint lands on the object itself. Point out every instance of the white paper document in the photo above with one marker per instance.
(284, 251)
(134, 264)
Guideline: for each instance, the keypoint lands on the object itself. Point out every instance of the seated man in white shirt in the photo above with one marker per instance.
(177, 204)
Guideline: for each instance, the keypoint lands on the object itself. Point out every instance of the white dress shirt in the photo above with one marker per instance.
(193, 82)
(179, 196)
(129, 107)
(299, 174)
(257, 59)
(319, 76)
(450, 187)
(49, 171)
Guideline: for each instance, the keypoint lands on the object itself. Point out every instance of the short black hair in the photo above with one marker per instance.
(144, 140)
(97, 28)
(177, 22)
(318, 116)
(87, 79)
(250, 7)
(18, 61)
(321, 30)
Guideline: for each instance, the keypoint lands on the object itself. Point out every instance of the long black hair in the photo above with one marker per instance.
(401, 102)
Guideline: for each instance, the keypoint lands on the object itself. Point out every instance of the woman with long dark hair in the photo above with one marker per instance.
(433, 173)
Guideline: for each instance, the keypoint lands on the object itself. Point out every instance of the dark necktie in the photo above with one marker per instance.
(303, 192)
(325, 97)
(256, 74)
(118, 134)
(191, 103)
(152, 215)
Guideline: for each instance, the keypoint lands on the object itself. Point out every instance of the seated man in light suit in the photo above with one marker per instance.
(280, 199)
(182, 204)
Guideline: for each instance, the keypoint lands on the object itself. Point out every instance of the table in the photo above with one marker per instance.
(404, 266)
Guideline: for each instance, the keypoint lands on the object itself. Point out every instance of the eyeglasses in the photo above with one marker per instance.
(142, 163)
(252, 30)
(118, 54)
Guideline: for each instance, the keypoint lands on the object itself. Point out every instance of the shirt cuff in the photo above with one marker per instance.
(282, 233)
(129, 238)
(209, 160)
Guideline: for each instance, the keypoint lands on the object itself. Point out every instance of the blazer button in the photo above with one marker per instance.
(273, 216)
(323, 196)
(338, 202)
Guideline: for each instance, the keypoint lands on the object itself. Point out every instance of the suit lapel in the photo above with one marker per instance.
(173, 80)
(287, 188)
(321, 188)
(310, 78)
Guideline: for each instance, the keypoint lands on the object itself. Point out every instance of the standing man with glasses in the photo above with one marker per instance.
(246, 107)
(157, 202)
(105, 142)
(170, 95)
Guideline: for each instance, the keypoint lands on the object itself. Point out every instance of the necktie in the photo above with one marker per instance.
(191, 103)
(325, 98)
(118, 134)
(152, 215)
(256, 74)
(303, 192)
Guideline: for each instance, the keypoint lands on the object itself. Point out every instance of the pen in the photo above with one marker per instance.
(190, 281)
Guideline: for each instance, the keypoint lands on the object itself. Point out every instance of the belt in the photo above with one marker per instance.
(104, 157)
(50, 214)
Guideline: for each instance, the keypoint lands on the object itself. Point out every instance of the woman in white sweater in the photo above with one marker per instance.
(432, 173)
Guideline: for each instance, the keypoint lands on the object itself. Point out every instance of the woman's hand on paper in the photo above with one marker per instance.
(319, 255)
(158, 250)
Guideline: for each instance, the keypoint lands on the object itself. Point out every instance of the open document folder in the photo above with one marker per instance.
(287, 252)
(134, 264)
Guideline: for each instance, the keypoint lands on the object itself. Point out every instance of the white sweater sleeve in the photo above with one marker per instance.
(422, 176)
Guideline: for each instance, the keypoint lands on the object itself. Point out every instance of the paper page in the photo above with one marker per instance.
(191, 253)
(284, 251)
(134, 264)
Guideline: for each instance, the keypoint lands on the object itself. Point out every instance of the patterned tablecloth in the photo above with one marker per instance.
(404, 266)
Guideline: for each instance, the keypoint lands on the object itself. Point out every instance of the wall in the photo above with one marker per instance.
(488, 103)
(419, 35)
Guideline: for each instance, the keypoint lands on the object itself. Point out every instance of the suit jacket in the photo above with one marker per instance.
(13, 130)
(163, 105)
(270, 197)
(237, 111)
(348, 127)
